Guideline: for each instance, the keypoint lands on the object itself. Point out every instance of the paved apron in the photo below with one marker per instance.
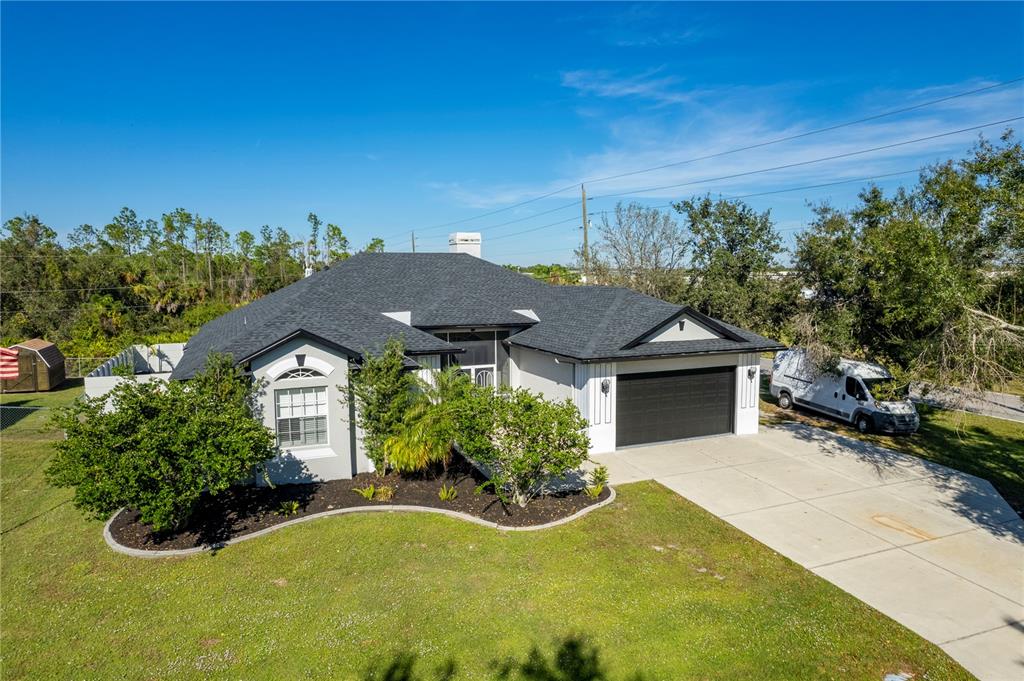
(937, 550)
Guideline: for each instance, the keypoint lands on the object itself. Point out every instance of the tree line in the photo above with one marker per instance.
(928, 280)
(138, 280)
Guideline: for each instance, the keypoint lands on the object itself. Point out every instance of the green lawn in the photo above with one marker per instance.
(988, 447)
(653, 582)
(1013, 388)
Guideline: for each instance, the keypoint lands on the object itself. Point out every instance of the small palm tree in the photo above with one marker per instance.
(428, 427)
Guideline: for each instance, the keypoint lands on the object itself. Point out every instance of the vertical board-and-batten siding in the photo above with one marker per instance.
(748, 393)
(596, 406)
(749, 390)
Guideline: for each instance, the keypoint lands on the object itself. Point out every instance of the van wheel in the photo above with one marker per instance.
(785, 401)
(863, 424)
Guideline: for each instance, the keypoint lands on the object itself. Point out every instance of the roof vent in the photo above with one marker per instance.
(464, 242)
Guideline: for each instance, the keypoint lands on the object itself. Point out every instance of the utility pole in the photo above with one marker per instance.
(413, 235)
(586, 240)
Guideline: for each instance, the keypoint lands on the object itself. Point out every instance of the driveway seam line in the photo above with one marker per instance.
(957, 574)
(1011, 624)
(847, 560)
(913, 555)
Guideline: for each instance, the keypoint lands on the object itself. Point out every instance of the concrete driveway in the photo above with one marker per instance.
(938, 550)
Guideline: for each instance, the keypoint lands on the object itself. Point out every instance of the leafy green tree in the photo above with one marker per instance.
(734, 264)
(384, 393)
(34, 271)
(134, 280)
(552, 274)
(909, 279)
(125, 232)
(376, 245)
(158, 447)
(337, 244)
(523, 441)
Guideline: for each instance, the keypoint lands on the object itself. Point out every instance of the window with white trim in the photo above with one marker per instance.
(299, 372)
(301, 416)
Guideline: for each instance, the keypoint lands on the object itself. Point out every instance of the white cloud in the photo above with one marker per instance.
(709, 123)
(647, 86)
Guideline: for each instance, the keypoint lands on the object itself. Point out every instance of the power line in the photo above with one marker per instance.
(119, 308)
(816, 160)
(536, 229)
(744, 196)
(736, 175)
(571, 204)
(755, 172)
(809, 133)
(756, 145)
(132, 287)
(493, 212)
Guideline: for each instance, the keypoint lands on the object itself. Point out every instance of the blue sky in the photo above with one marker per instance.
(390, 117)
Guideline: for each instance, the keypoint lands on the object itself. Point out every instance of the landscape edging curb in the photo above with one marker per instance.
(399, 508)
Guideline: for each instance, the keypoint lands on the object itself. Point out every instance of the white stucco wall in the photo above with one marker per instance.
(341, 456)
(541, 373)
(101, 385)
(146, 362)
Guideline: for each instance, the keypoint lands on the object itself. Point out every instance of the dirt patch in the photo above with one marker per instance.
(242, 510)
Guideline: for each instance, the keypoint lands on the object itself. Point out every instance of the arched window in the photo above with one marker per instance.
(299, 372)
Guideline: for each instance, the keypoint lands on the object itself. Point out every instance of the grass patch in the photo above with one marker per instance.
(1013, 388)
(654, 583)
(987, 447)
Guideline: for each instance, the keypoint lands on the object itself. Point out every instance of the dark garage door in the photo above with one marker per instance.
(672, 405)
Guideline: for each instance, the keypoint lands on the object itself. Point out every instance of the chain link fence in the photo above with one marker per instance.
(11, 414)
(79, 367)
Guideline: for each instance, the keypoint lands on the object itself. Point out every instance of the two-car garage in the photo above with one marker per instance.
(673, 405)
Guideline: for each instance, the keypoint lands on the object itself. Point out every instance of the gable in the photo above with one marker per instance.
(683, 328)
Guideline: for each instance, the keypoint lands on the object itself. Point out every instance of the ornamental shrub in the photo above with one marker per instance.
(383, 393)
(522, 440)
(157, 447)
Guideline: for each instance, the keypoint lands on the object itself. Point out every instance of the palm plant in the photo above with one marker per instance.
(428, 426)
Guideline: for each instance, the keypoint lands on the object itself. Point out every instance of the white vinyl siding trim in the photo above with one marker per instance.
(301, 416)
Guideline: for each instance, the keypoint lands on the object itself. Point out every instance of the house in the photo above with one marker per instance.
(640, 370)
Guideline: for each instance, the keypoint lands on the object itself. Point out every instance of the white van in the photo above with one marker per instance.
(846, 394)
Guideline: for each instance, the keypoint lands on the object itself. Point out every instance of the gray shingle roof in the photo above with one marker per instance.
(343, 305)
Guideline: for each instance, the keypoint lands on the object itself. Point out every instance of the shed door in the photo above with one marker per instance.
(672, 405)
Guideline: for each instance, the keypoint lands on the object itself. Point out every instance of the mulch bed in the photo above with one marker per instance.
(245, 509)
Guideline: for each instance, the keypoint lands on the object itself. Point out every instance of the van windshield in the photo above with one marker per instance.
(885, 389)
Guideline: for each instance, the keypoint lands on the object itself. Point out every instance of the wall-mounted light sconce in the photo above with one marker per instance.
(751, 372)
(606, 385)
